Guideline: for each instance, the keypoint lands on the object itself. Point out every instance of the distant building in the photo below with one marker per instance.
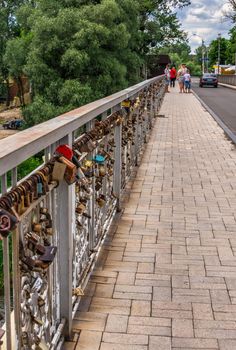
(156, 64)
(222, 68)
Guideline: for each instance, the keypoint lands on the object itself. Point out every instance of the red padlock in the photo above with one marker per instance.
(65, 151)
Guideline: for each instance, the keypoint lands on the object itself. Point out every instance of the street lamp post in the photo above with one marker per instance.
(203, 58)
(219, 37)
(203, 52)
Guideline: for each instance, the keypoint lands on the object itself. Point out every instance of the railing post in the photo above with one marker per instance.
(6, 270)
(118, 163)
(92, 238)
(66, 200)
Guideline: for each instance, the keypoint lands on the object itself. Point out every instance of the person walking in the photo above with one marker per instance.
(167, 77)
(173, 74)
(180, 76)
(187, 82)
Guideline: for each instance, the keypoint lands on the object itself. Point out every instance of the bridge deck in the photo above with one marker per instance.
(166, 278)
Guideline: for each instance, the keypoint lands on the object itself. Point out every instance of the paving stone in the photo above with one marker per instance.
(131, 296)
(90, 321)
(227, 344)
(118, 338)
(149, 321)
(182, 329)
(172, 314)
(126, 278)
(180, 282)
(220, 297)
(194, 343)
(215, 333)
(110, 346)
(117, 324)
(104, 291)
(145, 267)
(141, 308)
(160, 343)
(202, 311)
(150, 330)
(89, 340)
(212, 324)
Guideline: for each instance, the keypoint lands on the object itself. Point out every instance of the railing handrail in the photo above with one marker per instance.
(19, 147)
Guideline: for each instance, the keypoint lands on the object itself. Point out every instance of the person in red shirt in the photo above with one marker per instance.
(173, 74)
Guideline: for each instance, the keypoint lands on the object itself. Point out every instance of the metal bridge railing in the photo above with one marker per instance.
(57, 217)
(227, 79)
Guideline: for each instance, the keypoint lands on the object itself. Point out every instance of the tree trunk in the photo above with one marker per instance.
(21, 90)
(8, 92)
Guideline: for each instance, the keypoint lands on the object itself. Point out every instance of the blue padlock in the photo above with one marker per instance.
(99, 159)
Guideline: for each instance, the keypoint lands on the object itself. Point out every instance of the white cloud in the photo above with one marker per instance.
(206, 19)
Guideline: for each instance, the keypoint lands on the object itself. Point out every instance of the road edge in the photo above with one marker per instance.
(232, 87)
(230, 134)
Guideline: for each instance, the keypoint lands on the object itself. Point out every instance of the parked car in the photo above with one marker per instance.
(208, 79)
(13, 124)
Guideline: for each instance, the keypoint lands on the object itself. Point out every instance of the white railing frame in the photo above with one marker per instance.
(17, 148)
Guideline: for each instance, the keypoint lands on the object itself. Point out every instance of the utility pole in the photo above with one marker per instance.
(207, 57)
(219, 37)
(203, 58)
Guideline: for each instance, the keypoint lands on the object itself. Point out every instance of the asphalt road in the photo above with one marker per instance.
(221, 100)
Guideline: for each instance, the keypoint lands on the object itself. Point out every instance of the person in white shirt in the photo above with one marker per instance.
(180, 77)
(187, 82)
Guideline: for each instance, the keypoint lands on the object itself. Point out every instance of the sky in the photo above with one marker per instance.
(206, 19)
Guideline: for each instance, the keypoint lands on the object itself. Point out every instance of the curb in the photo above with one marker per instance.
(230, 134)
(232, 87)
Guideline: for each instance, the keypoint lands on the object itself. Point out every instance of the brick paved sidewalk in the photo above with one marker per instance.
(167, 278)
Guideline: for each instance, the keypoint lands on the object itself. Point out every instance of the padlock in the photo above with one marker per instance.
(65, 151)
(71, 170)
(37, 320)
(87, 147)
(28, 261)
(43, 211)
(7, 223)
(59, 170)
(78, 292)
(36, 227)
(32, 245)
(37, 285)
(80, 209)
(102, 171)
(49, 254)
(41, 301)
(49, 231)
(101, 201)
(25, 339)
(99, 159)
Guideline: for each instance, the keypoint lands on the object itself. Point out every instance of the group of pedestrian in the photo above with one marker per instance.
(182, 75)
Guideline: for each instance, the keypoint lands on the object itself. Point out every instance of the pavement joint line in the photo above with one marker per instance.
(226, 129)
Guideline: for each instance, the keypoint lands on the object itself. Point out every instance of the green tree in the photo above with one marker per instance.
(83, 50)
(9, 30)
(213, 51)
(15, 59)
(232, 46)
(231, 14)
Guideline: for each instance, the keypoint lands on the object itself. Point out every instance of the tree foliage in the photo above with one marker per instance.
(223, 44)
(231, 14)
(76, 51)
